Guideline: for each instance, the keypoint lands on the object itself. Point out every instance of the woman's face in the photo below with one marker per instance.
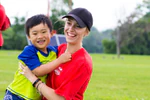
(74, 34)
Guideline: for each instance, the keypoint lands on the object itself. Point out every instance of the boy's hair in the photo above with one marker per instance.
(37, 19)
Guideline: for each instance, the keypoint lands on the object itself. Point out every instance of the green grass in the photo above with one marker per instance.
(8, 66)
(127, 78)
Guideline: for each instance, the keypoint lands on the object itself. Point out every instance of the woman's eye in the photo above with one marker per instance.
(78, 26)
(68, 23)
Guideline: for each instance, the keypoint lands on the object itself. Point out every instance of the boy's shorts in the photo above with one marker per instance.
(11, 96)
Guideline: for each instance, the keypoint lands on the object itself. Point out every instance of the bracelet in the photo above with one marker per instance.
(38, 85)
(36, 82)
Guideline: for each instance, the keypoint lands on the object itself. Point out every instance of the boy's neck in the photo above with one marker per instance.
(44, 50)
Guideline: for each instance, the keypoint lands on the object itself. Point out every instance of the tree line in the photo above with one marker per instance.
(132, 35)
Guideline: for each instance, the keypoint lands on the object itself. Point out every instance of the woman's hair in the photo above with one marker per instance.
(37, 19)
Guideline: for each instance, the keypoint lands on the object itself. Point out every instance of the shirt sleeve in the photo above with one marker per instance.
(29, 57)
(75, 83)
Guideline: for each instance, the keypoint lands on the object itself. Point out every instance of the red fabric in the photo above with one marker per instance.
(2, 16)
(4, 23)
(71, 79)
(1, 39)
(4, 20)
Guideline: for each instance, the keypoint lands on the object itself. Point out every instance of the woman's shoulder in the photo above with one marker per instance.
(83, 56)
(62, 46)
(87, 61)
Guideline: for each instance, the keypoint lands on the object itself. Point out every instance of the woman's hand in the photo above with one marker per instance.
(46, 91)
(27, 73)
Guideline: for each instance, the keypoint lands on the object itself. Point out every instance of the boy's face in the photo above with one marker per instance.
(40, 36)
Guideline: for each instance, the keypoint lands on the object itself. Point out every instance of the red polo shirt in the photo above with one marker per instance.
(71, 79)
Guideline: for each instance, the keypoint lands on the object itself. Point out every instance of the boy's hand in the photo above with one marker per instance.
(65, 57)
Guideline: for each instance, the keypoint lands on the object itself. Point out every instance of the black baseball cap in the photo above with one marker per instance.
(82, 16)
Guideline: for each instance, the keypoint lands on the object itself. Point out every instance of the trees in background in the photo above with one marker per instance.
(140, 42)
(92, 43)
(133, 35)
(59, 8)
(15, 37)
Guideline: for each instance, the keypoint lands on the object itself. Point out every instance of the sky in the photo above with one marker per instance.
(105, 12)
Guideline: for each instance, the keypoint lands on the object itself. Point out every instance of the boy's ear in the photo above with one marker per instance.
(28, 37)
(53, 32)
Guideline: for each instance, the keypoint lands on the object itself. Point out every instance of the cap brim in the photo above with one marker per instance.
(79, 21)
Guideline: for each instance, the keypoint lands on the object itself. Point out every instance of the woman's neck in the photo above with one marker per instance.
(71, 48)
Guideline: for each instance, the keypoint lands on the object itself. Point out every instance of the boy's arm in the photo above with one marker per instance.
(50, 66)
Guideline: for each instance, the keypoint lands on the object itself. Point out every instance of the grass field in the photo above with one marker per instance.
(127, 78)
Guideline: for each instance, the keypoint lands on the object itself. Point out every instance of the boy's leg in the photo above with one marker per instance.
(11, 96)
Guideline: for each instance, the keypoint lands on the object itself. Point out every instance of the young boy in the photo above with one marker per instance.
(38, 29)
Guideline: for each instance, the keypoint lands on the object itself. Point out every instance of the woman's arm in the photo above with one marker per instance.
(49, 93)
(48, 67)
(46, 91)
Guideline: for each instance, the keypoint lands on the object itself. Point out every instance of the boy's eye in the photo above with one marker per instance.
(44, 32)
(34, 33)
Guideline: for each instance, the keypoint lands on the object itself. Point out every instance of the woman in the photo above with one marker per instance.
(69, 81)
